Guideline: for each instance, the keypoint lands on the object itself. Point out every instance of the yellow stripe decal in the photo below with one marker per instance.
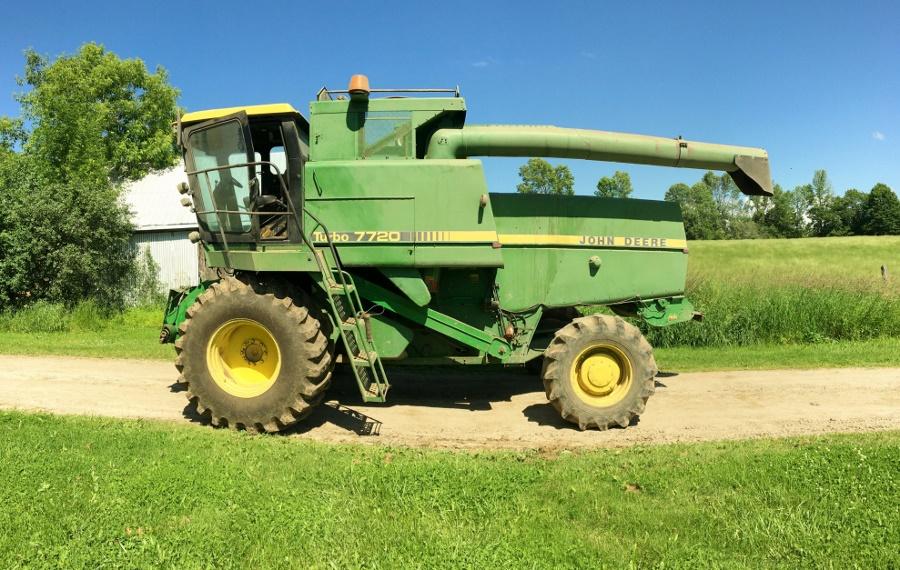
(465, 236)
(639, 242)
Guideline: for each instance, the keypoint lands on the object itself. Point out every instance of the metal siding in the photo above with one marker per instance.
(174, 253)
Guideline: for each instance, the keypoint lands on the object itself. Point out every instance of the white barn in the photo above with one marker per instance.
(162, 225)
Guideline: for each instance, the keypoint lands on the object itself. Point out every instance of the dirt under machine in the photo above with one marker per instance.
(367, 234)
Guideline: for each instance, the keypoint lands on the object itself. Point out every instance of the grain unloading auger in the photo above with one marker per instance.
(368, 232)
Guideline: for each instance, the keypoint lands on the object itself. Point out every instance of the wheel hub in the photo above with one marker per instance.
(243, 358)
(601, 375)
(254, 351)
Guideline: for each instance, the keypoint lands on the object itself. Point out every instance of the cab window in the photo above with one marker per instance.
(226, 189)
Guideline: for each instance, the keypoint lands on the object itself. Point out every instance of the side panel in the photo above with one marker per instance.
(404, 213)
(567, 250)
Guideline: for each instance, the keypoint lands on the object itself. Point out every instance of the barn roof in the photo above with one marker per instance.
(155, 204)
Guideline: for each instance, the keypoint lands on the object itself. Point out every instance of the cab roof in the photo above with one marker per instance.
(251, 110)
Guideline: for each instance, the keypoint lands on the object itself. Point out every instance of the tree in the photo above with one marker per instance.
(734, 210)
(823, 220)
(848, 211)
(11, 134)
(799, 200)
(780, 219)
(619, 186)
(881, 213)
(698, 210)
(540, 177)
(96, 115)
(62, 241)
(89, 121)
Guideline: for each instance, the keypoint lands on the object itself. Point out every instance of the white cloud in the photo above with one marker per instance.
(589, 55)
(878, 135)
(486, 62)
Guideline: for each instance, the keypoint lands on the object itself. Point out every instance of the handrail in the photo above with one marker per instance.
(326, 92)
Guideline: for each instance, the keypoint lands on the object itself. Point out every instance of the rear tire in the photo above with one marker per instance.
(253, 357)
(599, 372)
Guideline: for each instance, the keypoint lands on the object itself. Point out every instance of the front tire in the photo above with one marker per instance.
(252, 356)
(599, 372)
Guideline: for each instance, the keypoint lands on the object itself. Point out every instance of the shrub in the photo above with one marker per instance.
(89, 316)
(145, 287)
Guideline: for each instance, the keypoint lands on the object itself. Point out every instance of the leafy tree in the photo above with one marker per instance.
(95, 115)
(735, 210)
(881, 213)
(698, 210)
(823, 220)
(780, 219)
(89, 121)
(62, 241)
(848, 210)
(799, 199)
(618, 186)
(744, 228)
(11, 133)
(540, 177)
(728, 198)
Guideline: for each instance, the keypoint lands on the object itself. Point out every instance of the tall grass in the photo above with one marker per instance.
(789, 291)
(755, 313)
(44, 317)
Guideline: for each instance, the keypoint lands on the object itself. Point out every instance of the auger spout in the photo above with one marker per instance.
(749, 167)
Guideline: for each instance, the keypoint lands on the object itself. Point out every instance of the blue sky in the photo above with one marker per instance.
(817, 84)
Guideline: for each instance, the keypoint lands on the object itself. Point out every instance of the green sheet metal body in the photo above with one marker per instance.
(392, 182)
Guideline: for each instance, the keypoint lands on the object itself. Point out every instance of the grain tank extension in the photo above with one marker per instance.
(367, 234)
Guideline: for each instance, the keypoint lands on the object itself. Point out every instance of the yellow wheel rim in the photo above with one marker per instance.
(243, 358)
(601, 375)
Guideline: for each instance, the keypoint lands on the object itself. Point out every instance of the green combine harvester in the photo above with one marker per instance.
(367, 233)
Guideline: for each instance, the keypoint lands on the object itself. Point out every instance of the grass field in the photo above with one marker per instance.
(95, 493)
(852, 262)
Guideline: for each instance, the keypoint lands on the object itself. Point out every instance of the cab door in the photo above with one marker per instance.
(219, 161)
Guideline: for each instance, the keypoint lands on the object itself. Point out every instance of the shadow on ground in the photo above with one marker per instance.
(467, 388)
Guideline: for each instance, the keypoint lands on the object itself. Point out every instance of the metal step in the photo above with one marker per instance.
(360, 360)
(346, 309)
(338, 289)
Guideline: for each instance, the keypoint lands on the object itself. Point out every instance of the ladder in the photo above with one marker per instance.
(350, 317)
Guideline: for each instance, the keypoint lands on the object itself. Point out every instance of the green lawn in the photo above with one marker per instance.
(92, 493)
(866, 354)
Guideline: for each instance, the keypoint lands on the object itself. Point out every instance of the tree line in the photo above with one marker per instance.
(89, 123)
(714, 208)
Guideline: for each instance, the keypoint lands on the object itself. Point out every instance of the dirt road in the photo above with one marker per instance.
(488, 409)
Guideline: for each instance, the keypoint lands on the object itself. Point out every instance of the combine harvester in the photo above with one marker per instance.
(368, 231)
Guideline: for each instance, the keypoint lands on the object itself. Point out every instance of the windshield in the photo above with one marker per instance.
(225, 189)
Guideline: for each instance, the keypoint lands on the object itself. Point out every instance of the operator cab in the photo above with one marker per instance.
(245, 168)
